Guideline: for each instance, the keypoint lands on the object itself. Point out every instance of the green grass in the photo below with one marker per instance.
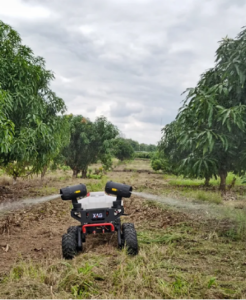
(63, 178)
(237, 224)
(179, 180)
(1, 172)
(184, 181)
(96, 185)
(212, 197)
(147, 237)
(45, 190)
(93, 176)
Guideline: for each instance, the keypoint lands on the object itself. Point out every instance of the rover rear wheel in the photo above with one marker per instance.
(74, 230)
(129, 238)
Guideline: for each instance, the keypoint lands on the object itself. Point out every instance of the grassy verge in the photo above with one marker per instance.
(180, 180)
(212, 197)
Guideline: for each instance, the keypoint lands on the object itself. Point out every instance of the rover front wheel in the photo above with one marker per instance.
(129, 237)
(69, 245)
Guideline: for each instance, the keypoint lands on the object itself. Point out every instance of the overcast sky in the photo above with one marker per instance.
(128, 60)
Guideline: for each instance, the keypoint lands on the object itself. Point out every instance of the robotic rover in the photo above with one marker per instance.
(98, 212)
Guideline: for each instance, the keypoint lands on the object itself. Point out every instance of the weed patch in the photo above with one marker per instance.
(180, 180)
(206, 196)
(149, 237)
(95, 186)
(46, 190)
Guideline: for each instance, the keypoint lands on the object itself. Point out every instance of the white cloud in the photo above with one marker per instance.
(19, 10)
(129, 60)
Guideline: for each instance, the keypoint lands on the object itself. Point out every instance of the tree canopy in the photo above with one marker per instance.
(31, 128)
(90, 141)
(6, 125)
(141, 146)
(123, 149)
(210, 136)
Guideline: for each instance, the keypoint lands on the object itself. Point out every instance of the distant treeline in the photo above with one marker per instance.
(141, 147)
(143, 155)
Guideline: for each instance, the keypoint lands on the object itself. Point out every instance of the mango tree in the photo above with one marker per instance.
(90, 142)
(33, 110)
(169, 154)
(123, 149)
(212, 119)
(134, 144)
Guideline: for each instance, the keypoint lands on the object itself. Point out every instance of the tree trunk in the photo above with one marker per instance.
(223, 175)
(15, 176)
(45, 168)
(14, 179)
(84, 173)
(207, 179)
(75, 173)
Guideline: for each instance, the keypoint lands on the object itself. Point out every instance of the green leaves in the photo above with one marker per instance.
(123, 149)
(6, 125)
(209, 131)
(232, 117)
(89, 142)
(30, 128)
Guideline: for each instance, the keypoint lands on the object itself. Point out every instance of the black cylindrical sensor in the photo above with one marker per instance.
(118, 189)
(73, 192)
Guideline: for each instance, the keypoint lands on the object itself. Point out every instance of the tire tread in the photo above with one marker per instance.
(130, 237)
(69, 245)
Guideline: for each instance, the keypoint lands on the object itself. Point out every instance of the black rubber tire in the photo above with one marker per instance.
(72, 229)
(69, 245)
(129, 237)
